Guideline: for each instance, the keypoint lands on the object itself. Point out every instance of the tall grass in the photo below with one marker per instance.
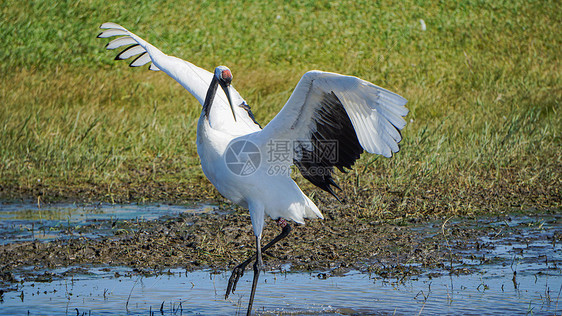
(483, 84)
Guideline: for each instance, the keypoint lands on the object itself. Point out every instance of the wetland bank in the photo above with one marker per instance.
(209, 238)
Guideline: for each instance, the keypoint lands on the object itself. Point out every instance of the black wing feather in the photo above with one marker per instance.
(334, 143)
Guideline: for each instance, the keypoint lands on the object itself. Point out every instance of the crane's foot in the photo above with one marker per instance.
(237, 273)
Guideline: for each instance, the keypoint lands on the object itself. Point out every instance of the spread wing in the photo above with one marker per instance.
(330, 119)
(194, 79)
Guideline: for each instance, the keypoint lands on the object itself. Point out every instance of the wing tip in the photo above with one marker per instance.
(111, 25)
(331, 190)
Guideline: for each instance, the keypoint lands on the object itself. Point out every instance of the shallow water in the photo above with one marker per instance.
(25, 221)
(201, 292)
(533, 254)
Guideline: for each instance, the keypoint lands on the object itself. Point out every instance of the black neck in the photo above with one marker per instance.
(210, 97)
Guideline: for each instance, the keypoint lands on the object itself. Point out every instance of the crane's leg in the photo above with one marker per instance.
(239, 269)
(258, 266)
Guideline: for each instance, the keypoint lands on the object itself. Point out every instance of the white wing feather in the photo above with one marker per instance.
(141, 60)
(121, 41)
(130, 52)
(376, 113)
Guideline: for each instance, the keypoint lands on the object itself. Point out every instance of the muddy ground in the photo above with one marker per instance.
(222, 238)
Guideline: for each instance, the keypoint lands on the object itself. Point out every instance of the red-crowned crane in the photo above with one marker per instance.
(327, 122)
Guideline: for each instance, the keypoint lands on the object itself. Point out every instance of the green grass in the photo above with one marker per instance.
(483, 84)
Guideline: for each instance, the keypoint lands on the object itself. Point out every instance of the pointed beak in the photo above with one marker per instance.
(226, 88)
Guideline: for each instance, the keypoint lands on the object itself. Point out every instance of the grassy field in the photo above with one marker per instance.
(483, 83)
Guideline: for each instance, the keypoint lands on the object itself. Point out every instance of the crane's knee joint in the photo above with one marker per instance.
(258, 265)
(286, 229)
